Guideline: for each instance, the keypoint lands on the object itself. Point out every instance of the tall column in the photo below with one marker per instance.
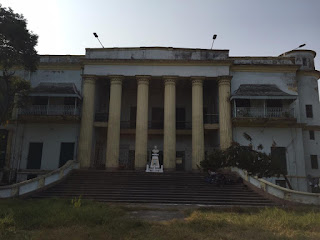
(225, 124)
(113, 137)
(169, 143)
(197, 122)
(87, 117)
(142, 122)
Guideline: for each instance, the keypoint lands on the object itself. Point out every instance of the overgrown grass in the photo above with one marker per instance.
(60, 219)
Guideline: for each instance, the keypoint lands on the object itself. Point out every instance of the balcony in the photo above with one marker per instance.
(263, 112)
(49, 113)
(155, 125)
(264, 117)
(211, 121)
(49, 110)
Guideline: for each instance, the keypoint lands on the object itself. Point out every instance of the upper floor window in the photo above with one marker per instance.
(304, 61)
(311, 134)
(309, 112)
(314, 161)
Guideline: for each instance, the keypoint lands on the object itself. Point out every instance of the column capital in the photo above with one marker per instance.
(224, 80)
(171, 80)
(197, 80)
(116, 79)
(90, 79)
(143, 79)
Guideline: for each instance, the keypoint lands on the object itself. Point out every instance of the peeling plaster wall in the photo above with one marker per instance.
(52, 135)
(308, 94)
(62, 75)
(55, 76)
(156, 70)
(290, 138)
(156, 53)
(285, 81)
(303, 58)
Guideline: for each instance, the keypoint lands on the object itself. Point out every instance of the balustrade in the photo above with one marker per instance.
(49, 110)
(260, 112)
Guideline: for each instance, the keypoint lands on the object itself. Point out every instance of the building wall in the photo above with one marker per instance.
(290, 138)
(52, 135)
(308, 94)
(57, 76)
(285, 81)
(159, 70)
(192, 62)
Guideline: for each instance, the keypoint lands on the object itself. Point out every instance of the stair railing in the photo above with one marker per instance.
(34, 184)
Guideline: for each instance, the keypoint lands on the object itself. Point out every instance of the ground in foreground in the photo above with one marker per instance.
(62, 219)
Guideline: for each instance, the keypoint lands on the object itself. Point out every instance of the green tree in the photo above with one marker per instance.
(254, 161)
(17, 51)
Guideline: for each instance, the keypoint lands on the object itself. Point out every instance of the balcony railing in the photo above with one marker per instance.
(260, 112)
(155, 125)
(49, 110)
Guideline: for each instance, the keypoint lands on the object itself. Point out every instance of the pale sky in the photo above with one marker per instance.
(245, 27)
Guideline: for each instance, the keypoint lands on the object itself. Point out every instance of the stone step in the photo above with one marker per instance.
(176, 197)
(154, 192)
(139, 187)
(175, 201)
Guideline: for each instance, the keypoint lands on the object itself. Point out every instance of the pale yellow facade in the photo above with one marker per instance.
(141, 131)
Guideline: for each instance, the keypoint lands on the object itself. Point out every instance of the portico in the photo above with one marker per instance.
(141, 127)
(161, 101)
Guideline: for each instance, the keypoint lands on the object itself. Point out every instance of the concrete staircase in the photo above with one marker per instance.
(140, 187)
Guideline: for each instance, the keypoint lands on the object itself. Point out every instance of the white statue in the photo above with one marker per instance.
(154, 165)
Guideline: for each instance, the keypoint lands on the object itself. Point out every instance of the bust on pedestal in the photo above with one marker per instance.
(154, 165)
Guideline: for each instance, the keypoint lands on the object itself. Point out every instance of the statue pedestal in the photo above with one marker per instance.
(154, 165)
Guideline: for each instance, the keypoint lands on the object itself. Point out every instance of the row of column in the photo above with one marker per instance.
(141, 141)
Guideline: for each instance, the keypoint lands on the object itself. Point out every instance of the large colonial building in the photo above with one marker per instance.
(109, 108)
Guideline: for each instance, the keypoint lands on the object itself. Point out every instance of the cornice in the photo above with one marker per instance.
(312, 73)
(264, 68)
(156, 48)
(311, 127)
(153, 62)
(51, 66)
(60, 66)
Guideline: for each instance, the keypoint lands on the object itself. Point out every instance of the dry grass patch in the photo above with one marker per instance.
(59, 219)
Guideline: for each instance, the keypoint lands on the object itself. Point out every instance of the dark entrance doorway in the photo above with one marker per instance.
(66, 153)
(34, 155)
(180, 161)
(3, 146)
